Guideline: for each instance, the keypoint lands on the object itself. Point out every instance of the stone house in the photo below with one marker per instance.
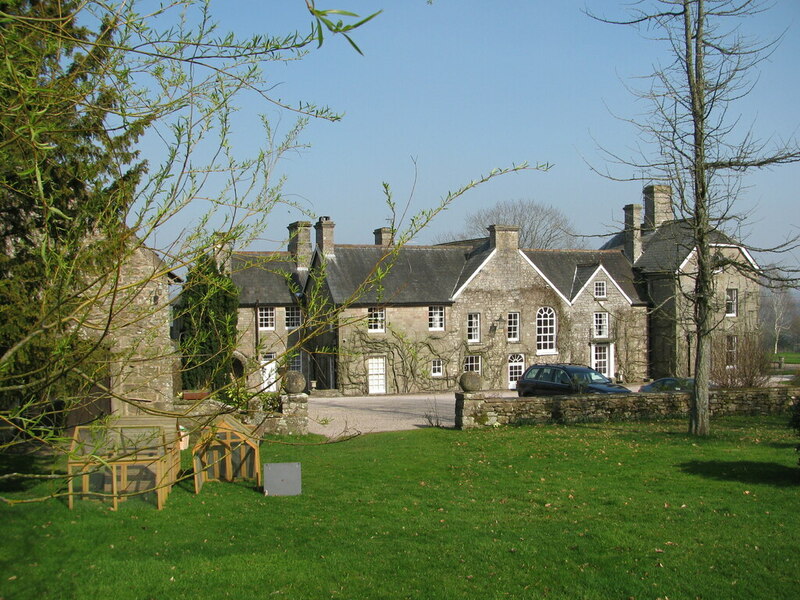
(270, 313)
(377, 318)
(414, 318)
(662, 252)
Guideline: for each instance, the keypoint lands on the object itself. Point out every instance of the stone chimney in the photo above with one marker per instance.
(633, 232)
(222, 250)
(324, 227)
(300, 243)
(657, 206)
(504, 237)
(384, 236)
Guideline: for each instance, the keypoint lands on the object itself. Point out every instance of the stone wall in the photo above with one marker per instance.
(475, 410)
(137, 308)
(291, 420)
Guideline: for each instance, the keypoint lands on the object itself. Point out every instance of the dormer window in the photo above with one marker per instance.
(600, 289)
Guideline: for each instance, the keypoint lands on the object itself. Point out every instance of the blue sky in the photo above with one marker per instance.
(463, 86)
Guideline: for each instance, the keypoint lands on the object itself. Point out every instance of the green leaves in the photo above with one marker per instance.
(325, 22)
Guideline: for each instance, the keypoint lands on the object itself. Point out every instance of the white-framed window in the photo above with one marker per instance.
(436, 318)
(546, 330)
(512, 327)
(600, 290)
(472, 363)
(296, 362)
(516, 366)
(376, 319)
(602, 358)
(437, 367)
(293, 317)
(731, 302)
(474, 327)
(600, 329)
(731, 350)
(266, 317)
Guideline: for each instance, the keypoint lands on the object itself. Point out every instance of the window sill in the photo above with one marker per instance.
(546, 352)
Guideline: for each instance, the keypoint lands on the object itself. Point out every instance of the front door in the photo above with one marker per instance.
(269, 373)
(376, 375)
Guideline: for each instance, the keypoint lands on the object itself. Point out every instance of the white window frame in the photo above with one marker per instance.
(473, 328)
(731, 302)
(609, 358)
(516, 368)
(600, 325)
(437, 367)
(266, 318)
(546, 331)
(376, 374)
(296, 362)
(436, 318)
(600, 289)
(512, 327)
(472, 363)
(293, 315)
(376, 319)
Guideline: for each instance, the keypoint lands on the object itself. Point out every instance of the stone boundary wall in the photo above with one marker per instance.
(485, 408)
(292, 420)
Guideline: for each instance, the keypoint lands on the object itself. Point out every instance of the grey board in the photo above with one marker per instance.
(282, 479)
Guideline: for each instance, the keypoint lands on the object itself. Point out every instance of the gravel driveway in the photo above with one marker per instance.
(335, 417)
(347, 415)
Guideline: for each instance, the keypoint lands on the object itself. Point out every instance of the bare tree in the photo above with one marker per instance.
(778, 311)
(540, 226)
(698, 144)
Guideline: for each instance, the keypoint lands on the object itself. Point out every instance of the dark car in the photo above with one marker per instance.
(560, 379)
(671, 384)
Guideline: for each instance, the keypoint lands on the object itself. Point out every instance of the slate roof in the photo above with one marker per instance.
(261, 278)
(419, 274)
(569, 270)
(665, 249)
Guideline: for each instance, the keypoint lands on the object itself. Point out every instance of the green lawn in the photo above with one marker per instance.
(791, 358)
(615, 510)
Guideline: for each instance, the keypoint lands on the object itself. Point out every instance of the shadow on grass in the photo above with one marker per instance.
(25, 464)
(744, 471)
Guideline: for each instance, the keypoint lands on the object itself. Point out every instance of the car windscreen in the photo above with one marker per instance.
(587, 377)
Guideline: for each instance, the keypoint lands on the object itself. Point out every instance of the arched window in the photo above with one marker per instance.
(546, 331)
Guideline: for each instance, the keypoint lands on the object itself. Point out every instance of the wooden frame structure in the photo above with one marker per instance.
(226, 450)
(130, 456)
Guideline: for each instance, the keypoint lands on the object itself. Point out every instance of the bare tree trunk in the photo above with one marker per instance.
(704, 289)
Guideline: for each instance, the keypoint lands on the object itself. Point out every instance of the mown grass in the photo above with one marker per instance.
(635, 510)
(790, 358)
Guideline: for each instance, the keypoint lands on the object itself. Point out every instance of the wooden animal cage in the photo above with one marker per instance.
(129, 456)
(226, 450)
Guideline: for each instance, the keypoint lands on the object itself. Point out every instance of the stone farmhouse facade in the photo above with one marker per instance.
(376, 318)
(662, 252)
